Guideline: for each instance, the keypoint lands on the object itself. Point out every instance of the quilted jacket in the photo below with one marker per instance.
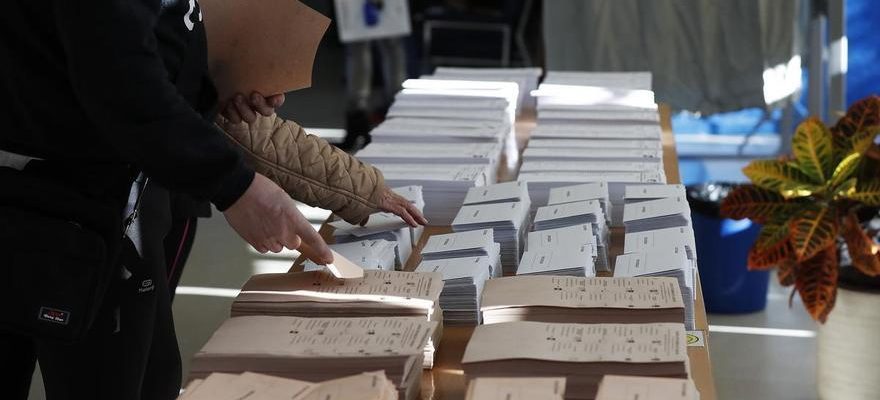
(307, 167)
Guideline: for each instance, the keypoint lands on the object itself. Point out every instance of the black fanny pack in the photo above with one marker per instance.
(58, 250)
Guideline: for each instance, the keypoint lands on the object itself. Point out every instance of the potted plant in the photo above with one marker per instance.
(817, 207)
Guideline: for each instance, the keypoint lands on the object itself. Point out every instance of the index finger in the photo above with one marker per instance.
(313, 246)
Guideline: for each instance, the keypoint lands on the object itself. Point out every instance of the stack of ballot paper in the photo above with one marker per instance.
(570, 238)
(507, 192)
(525, 78)
(463, 281)
(618, 387)
(647, 241)
(666, 261)
(582, 300)
(379, 226)
(248, 385)
(414, 195)
(583, 353)
(376, 254)
(546, 175)
(587, 191)
(516, 389)
(319, 349)
(463, 101)
(558, 262)
(597, 131)
(465, 244)
(439, 130)
(443, 185)
(671, 212)
(441, 153)
(640, 193)
(635, 80)
(320, 294)
(575, 154)
(506, 220)
(577, 213)
(592, 144)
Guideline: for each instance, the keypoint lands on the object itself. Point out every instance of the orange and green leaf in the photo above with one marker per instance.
(779, 176)
(757, 204)
(786, 271)
(812, 147)
(812, 230)
(816, 282)
(863, 251)
(845, 170)
(771, 248)
(861, 115)
(867, 193)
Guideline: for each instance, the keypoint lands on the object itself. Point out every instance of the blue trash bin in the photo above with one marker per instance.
(722, 254)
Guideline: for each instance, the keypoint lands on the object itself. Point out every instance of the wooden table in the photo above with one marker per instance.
(447, 381)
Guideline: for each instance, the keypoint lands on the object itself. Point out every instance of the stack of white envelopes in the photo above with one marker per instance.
(444, 186)
(668, 261)
(504, 208)
(577, 213)
(368, 254)
(480, 243)
(463, 281)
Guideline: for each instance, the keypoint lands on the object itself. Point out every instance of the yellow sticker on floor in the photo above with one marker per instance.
(696, 339)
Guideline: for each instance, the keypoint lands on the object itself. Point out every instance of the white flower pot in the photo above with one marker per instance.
(849, 349)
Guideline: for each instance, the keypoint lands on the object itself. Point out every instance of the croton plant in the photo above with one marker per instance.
(810, 201)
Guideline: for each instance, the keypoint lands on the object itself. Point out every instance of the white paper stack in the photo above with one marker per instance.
(506, 192)
(583, 192)
(379, 226)
(465, 101)
(443, 185)
(463, 281)
(635, 80)
(369, 254)
(570, 238)
(525, 78)
(541, 181)
(506, 220)
(597, 131)
(438, 130)
(577, 213)
(414, 195)
(671, 212)
(592, 144)
(442, 153)
(639, 193)
(479, 243)
(574, 154)
(647, 241)
(667, 261)
(558, 261)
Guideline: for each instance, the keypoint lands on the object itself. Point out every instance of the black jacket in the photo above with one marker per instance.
(116, 81)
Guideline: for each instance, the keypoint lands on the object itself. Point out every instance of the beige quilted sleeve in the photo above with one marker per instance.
(307, 167)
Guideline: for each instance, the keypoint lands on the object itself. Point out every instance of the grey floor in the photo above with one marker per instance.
(768, 355)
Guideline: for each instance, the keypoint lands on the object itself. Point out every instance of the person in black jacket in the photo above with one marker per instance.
(111, 84)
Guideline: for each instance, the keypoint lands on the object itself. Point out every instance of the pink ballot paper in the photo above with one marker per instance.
(343, 268)
(266, 46)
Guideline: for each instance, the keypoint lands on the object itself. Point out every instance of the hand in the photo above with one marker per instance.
(239, 109)
(267, 218)
(400, 206)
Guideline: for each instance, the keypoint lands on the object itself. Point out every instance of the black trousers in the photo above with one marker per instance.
(131, 352)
